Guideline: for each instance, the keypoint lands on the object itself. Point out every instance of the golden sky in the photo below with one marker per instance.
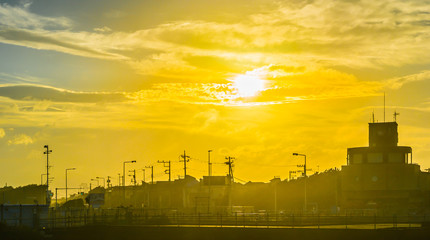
(111, 81)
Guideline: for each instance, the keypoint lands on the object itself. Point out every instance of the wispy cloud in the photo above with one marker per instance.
(398, 82)
(20, 17)
(40, 93)
(6, 78)
(2, 133)
(20, 139)
(320, 33)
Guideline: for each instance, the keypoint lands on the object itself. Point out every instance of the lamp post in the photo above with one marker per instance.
(143, 170)
(123, 170)
(92, 179)
(68, 169)
(304, 174)
(41, 178)
(103, 181)
(209, 163)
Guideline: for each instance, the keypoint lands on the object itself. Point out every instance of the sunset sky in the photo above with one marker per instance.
(104, 82)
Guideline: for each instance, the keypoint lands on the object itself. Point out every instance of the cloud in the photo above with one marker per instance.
(40, 40)
(38, 92)
(2, 133)
(103, 29)
(284, 83)
(396, 83)
(20, 139)
(20, 17)
(322, 33)
(20, 79)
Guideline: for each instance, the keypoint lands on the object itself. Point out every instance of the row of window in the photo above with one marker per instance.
(377, 157)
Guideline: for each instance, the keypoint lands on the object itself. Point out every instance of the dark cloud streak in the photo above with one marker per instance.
(28, 93)
(26, 36)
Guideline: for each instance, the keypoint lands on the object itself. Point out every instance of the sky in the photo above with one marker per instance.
(103, 82)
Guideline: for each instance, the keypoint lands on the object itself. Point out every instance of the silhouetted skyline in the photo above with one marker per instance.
(104, 83)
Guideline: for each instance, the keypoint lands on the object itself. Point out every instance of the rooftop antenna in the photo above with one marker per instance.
(384, 106)
(395, 115)
(373, 116)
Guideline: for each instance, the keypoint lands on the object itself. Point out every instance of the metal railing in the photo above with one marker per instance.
(39, 216)
(126, 216)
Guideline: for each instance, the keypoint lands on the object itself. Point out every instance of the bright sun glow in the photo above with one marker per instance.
(248, 85)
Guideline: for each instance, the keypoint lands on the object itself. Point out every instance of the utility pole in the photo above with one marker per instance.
(209, 163)
(108, 181)
(133, 175)
(305, 176)
(47, 152)
(229, 163)
(166, 164)
(152, 173)
(186, 159)
(123, 172)
(143, 170)
(119, 179)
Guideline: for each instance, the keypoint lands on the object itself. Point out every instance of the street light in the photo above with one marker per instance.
(92, 179)
(41, 178)
(68, 169)
(304, 174)
(103, 181)
(123, 171)
(209, 163)
(143, 169)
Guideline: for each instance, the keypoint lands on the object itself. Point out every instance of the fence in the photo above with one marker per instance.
(63, 218)
(41, 216)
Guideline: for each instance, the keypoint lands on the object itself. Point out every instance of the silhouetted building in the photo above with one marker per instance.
(382, 175)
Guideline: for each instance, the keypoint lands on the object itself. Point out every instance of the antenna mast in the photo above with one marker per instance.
(395, 115)
(384, 106)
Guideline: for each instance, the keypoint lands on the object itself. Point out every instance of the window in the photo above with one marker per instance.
(396, 158)
(375, 158)
(357, 158)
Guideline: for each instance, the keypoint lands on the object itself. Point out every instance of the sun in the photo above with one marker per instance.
(248, 85)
